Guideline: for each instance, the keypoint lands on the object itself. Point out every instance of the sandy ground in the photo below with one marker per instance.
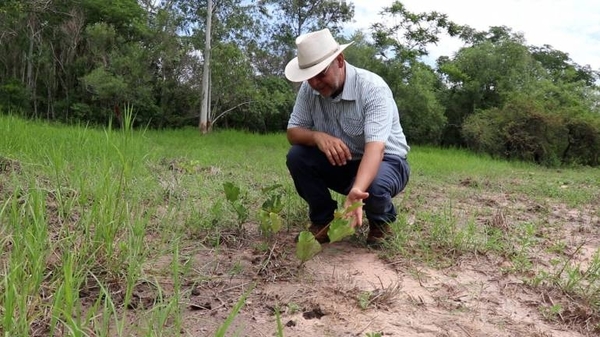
(351, 290)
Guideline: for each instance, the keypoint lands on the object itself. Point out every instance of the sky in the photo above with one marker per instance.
(571, 26)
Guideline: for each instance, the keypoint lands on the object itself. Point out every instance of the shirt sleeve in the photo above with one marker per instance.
(302, 113)
(378, 110)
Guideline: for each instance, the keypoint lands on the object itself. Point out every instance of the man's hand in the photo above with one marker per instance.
(354, 196)
(334, 148)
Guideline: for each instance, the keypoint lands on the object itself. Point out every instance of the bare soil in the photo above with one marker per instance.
(351, 290)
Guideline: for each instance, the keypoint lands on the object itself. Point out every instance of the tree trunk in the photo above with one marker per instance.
(205, 108)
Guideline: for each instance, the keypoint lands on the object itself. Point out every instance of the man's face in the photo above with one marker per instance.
(329, 81)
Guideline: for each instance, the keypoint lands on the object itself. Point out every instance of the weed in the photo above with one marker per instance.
(234, 312)
(380, 297)
(233, 196)
(374, 334)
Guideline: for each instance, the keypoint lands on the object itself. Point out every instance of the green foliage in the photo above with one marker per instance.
(287, 19)
(523, 130)
(269, 214)
(307, 246)
(406, 35)
(13, 96)
(273, 203)
(374, 334)
(83, 61)
(364, 299)
(339, 229)
(279, 324)
(583, 140)
(234, 312)
(270, 223)
(233, 196)
(421, 114)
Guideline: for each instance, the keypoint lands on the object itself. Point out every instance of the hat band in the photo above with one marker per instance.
(308, 65)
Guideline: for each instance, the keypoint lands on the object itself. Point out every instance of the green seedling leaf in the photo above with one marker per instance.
(353, 207)
(270, 223)
(273, 204)
(339, 229)
(242, 212)
(269, 189)
(307, 246)
(275, 222)
(232, 192)
(342, 214)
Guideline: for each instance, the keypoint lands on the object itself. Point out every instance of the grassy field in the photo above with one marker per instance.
(91, 220)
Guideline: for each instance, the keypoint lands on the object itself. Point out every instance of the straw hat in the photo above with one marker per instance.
(316, 50)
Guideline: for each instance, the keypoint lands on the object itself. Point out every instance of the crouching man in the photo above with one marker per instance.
(346, 136)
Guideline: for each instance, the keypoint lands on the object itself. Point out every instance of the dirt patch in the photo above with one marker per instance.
(470, 299)
(350, 290)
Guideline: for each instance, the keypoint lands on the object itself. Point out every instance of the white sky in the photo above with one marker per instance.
(571, 26)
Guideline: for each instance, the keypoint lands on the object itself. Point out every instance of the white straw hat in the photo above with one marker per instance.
(316, 50)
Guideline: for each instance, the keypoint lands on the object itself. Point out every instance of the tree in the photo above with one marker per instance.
(205, 107)
(405, 35)
(288, 19)
(561, 68)
(485, 75)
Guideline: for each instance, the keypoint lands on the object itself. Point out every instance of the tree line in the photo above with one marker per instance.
(84, 61)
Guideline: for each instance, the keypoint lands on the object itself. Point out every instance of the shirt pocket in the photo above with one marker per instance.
(353, 124)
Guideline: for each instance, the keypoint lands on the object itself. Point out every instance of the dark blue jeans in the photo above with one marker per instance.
(314, 176)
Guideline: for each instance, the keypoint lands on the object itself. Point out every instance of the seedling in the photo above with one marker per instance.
(374, 334)
(340, 227)
(307, 246)
(232, 193)
(270, 220)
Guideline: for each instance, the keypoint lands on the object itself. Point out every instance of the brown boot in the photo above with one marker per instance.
(378, 232)
(319, 232)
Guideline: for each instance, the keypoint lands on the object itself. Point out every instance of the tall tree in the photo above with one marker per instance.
(401, 38)
(290, 18)
(205, 107)
(233, 22)
(405, 35)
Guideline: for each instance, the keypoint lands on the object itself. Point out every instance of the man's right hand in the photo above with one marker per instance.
(335, 149)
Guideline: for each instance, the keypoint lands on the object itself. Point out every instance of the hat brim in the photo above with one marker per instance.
(295, 74)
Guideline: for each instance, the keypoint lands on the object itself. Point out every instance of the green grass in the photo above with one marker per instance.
(85, 213)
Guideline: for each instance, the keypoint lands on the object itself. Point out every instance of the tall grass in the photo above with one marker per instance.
(85, 213)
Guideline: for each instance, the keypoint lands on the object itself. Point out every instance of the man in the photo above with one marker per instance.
(346, 136)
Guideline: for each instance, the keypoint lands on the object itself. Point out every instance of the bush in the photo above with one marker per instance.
(520, 130)
(14, 96)
(583, 141)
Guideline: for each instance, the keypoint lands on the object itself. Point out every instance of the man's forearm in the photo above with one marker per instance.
(369, 165)
(301, 136)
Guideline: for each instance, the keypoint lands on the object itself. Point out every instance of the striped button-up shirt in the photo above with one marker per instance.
(364, 112)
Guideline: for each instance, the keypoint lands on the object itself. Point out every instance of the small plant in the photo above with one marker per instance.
(279, 324)
(234, 312)
(364, 299)
(307, 246)
(232, 194)
(381, 297)
(269, 213)
(551, 312)
(293, 308)
(374, 334)
(340, 227)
